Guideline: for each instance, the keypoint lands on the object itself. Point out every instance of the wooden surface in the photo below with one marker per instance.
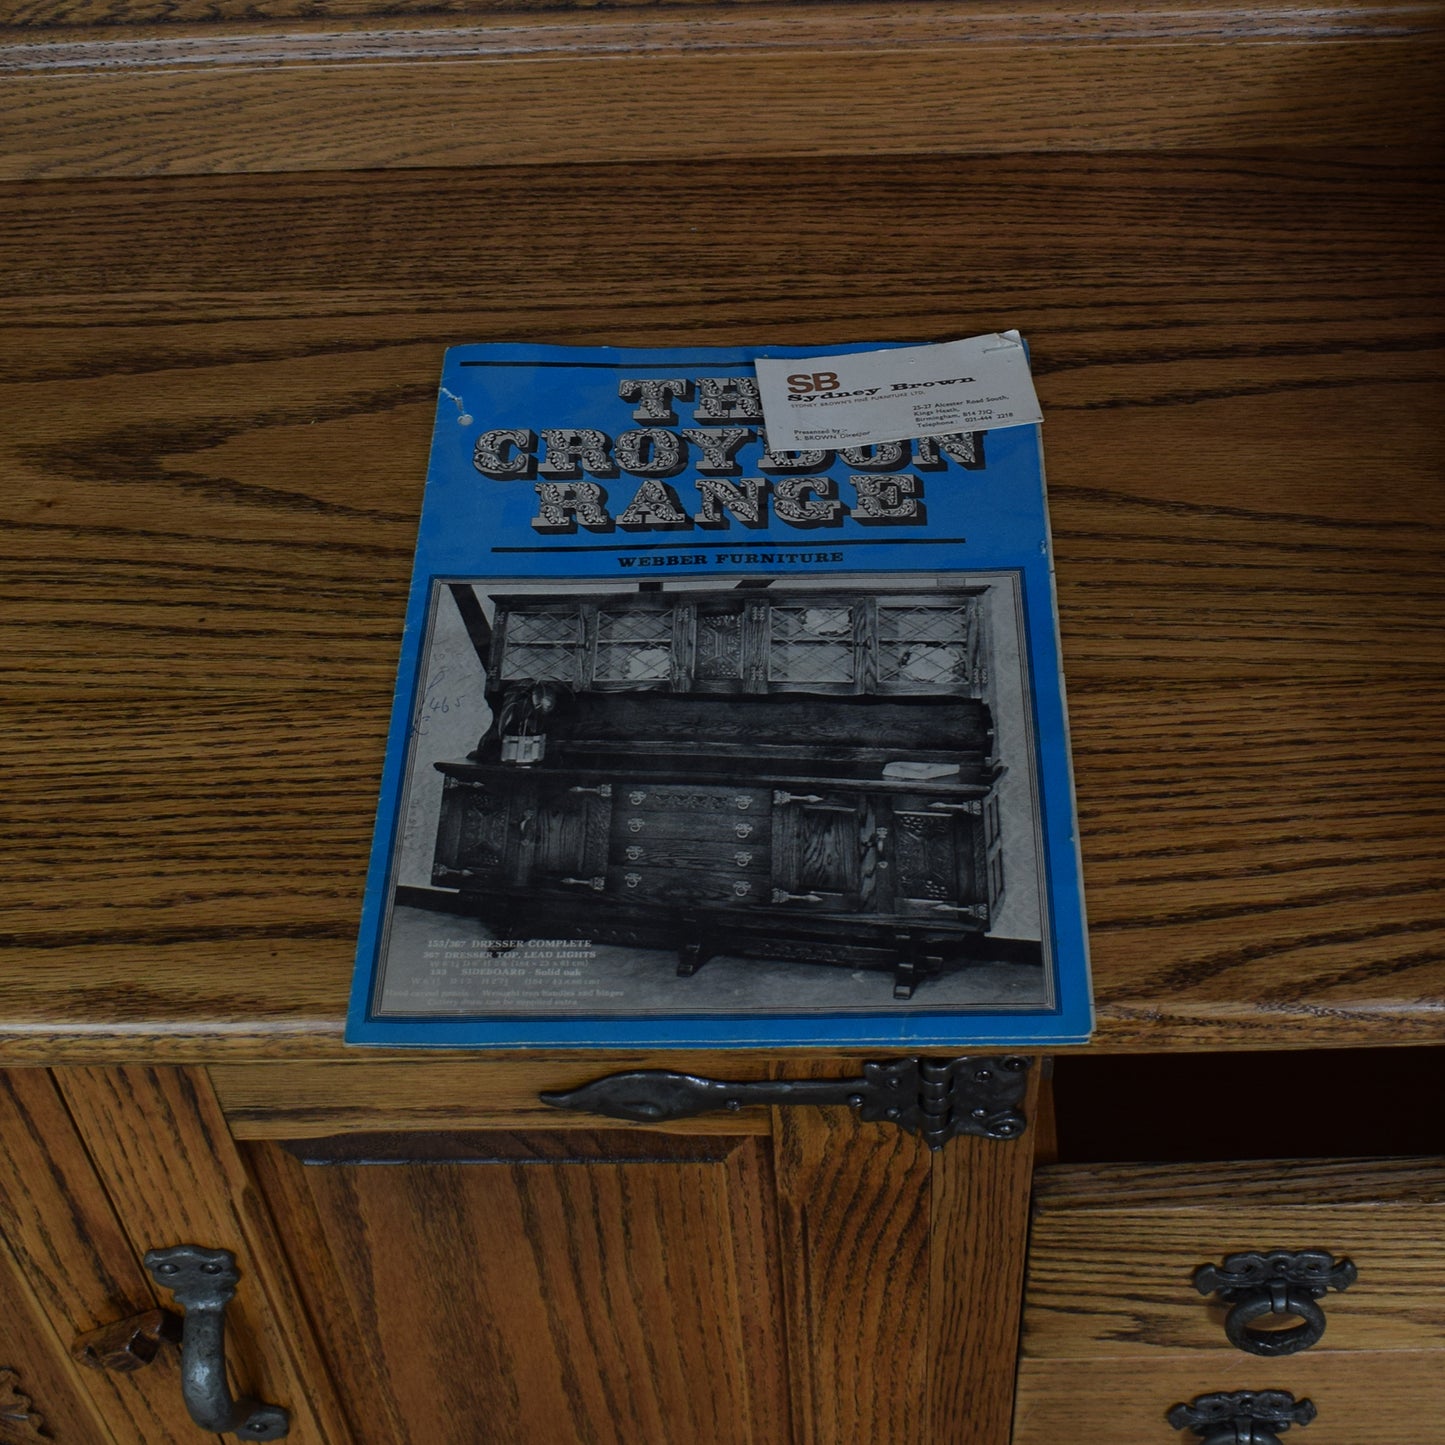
(158, 1143)
(901, 1279)
(210, 91)
(849, 1198)
(312, 1100)
(592, 1301)
(218, 395)
(1115, 1333)
(1110, 1271)
(1397, 1397)
(66, 1267)
(978, 1236)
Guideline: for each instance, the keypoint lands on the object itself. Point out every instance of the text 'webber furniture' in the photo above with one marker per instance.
(234, 245)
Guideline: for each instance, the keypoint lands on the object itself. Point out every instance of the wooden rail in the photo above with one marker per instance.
(92, 97)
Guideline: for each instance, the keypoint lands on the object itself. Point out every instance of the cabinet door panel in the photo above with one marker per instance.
(823, 850)
(158, 1142)
(815, 645)
(929, 645)
(66, 1266)
(569, 833)
(940, 860)
(544, 1299)
(540, 644)
(473, 833)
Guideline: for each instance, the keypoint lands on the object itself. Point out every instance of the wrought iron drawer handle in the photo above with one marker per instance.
(938, 1099)
(1243, 1417)
(204, 1282)
(1276, 1283)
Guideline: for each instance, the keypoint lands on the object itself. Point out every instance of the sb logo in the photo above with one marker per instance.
(804, 383)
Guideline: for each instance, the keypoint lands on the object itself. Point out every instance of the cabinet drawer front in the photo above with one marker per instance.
(687, 885)
(716, 830)
(728, 855)
(1363, 1397)
(1114, 1251)
(681, 799)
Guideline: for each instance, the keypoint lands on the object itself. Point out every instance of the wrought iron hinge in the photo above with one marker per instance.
(935, 1098)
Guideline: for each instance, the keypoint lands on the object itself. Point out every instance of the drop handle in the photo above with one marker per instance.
(1278, 1283)
(1241, 1417)
(203, 1282)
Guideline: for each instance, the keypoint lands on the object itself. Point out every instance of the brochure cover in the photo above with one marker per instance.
(702, 742)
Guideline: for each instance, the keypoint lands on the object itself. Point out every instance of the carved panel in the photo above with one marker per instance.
(19, 1424)
(483, 839)
(923, 845)
(567, 832)
(719, 646)
(819, 846)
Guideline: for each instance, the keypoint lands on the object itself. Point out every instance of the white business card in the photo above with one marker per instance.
(891, 396)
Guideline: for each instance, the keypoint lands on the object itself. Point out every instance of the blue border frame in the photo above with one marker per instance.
(1017, 541)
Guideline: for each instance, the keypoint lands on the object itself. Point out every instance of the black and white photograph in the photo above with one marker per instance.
(736, 796)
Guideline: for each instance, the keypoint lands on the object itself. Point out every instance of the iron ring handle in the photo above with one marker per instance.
(1276, 1299)
(204, 1281)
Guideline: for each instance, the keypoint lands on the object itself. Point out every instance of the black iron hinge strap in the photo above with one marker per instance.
(937, 1099)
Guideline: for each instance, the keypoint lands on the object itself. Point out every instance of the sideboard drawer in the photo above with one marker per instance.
(1116, 1333)
(1115, 1248)
(1371, 1397)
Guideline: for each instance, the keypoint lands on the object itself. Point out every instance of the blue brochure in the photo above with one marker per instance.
(698, 744)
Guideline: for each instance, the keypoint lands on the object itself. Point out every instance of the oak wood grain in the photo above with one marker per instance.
(855, 1225)
(977, 1241)
(1111, 1278)
(39, 1397)
(1365, 1184)
(1397, 1396)
(72, 1268)
(312, 1100)
(40, 19)
(218, 396)
(159, 1143)
(895, 1255)
(585, 1301)
(716, 82)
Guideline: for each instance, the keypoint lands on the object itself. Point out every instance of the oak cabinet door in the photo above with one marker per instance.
(824, 851)
(771, 1277)
(475, 833)
(946, 860)
(429, 1254)
(524, 1288)
(69, 1264)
